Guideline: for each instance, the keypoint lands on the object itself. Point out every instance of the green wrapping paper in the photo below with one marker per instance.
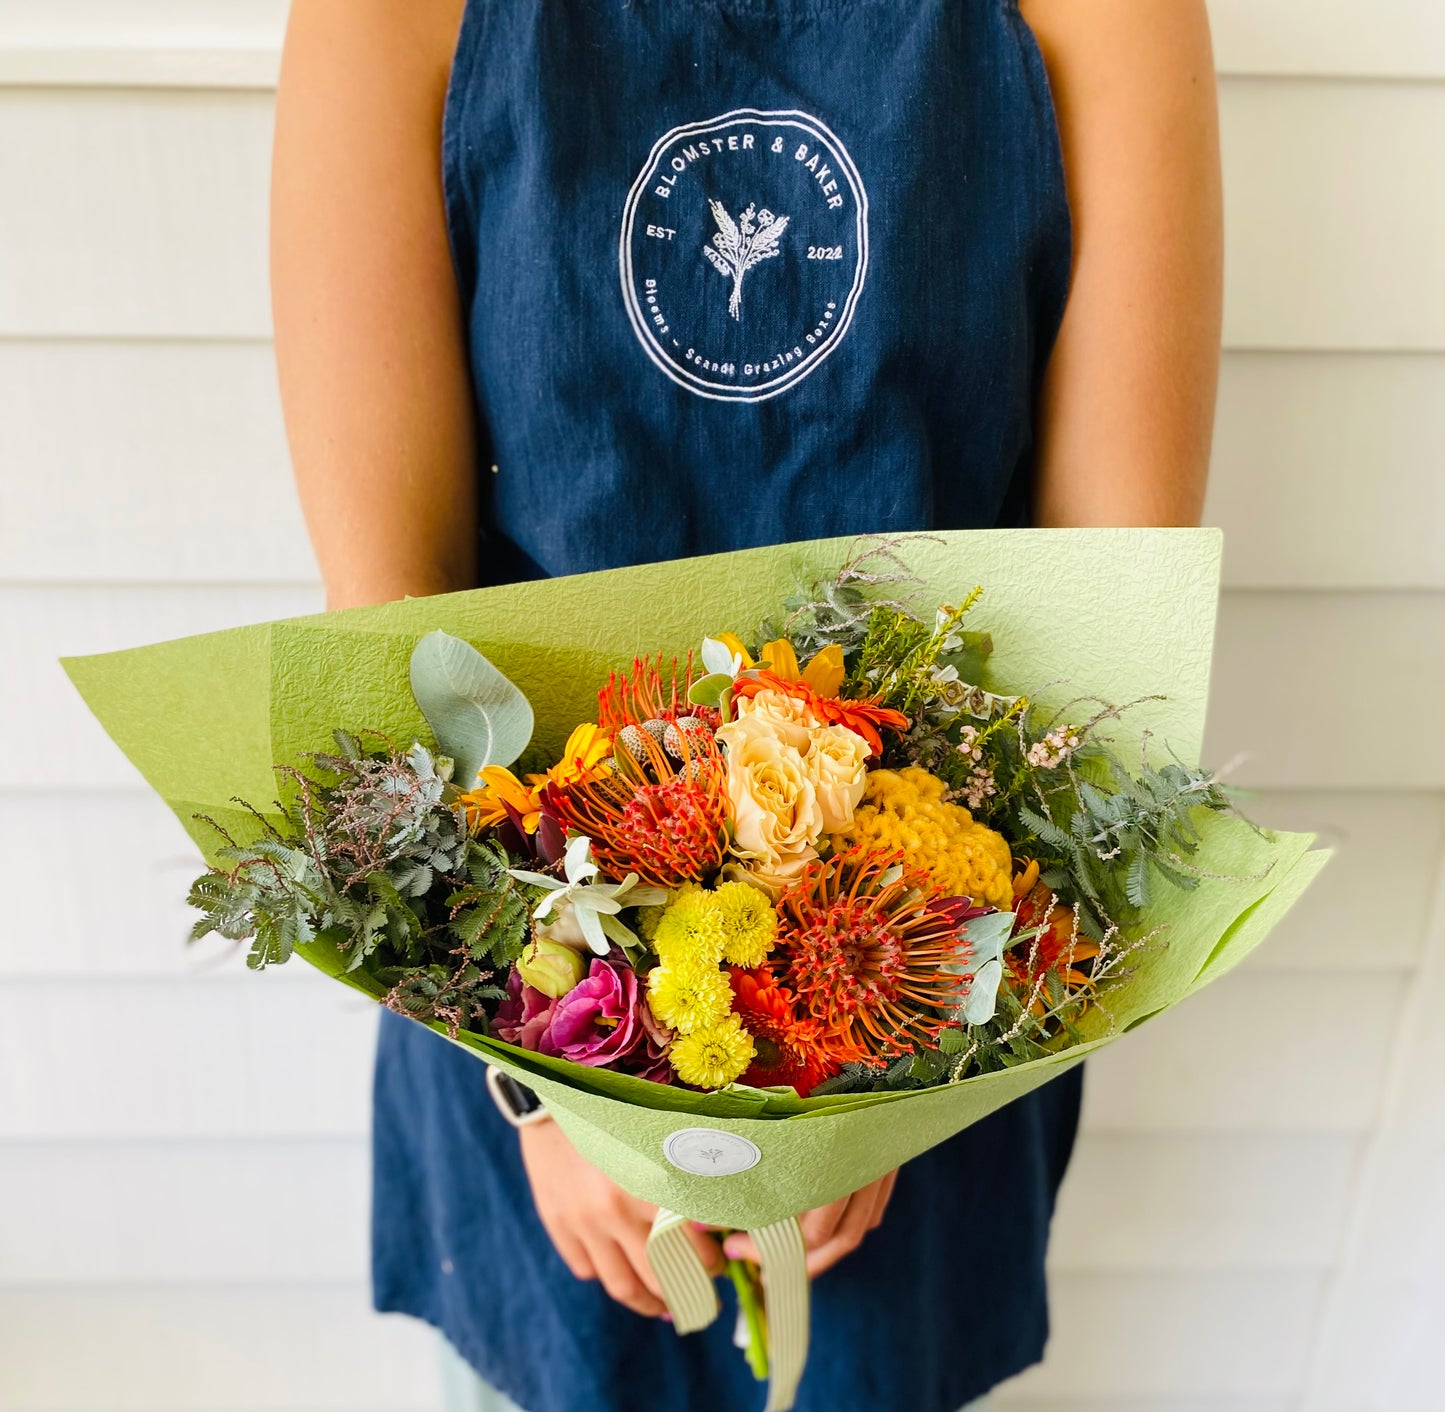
(1116, 614)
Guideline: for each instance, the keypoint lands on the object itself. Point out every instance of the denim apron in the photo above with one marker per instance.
(738, 272)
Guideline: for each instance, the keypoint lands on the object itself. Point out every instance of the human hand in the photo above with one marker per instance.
(829, 1232)
(599, 1230)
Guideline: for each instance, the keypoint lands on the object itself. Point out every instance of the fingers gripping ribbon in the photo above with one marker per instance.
(692, 1299)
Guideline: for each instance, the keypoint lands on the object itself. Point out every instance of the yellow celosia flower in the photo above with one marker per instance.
(905, 810)
(749, 922)
(690, 930)
(713, 1057)
(689, 997)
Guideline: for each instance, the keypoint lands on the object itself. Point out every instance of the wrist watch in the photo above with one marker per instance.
(516, 1102)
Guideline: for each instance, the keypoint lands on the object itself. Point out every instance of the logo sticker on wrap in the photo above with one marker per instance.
(744, 250)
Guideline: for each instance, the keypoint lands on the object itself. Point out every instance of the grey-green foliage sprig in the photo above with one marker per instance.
(1104, 840)
(370, 855)
(836, 611)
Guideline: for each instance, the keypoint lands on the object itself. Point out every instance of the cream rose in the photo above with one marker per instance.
(790, 719)
(837, 762)
(772, 798)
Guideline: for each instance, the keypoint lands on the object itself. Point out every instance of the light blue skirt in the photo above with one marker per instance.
(464, 1391)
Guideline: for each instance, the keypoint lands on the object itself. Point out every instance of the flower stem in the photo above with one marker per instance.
(750, 1301)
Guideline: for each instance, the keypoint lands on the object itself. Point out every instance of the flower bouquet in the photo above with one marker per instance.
(766, 871)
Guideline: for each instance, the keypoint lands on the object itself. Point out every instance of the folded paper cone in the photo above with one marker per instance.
(1111, 614)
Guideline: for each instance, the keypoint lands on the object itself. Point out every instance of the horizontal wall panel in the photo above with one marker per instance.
(284, 1348)
(146, 461)
(1332, 237)
(1333, 225)
(1380, 38)
(1326, 470)
(1329, 689)
(142, 870)
(1345, 38)
(173, 23)
(1392, 840)
(1386, 846)
(289, 1055)
(1255, 1052)
(132, 212)
(1266, 1202)
(204, 1211)
(128, 460)
(196, 1211)
(1201, 1336)
(64, 743)
(316, 1348)
(1287, 666)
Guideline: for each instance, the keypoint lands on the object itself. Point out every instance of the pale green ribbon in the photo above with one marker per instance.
(691, 1294)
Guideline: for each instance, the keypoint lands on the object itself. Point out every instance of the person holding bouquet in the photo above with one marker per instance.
(566, 286)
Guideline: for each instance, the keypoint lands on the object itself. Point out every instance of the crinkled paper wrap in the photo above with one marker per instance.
(1115, 614)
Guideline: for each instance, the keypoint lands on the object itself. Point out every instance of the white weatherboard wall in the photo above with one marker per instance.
(1250, 1226)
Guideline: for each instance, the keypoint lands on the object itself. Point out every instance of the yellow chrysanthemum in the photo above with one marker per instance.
(689, 997)
(905, 810)
(690, 930)
(647, 920)
(749, 923)
(713, 1057)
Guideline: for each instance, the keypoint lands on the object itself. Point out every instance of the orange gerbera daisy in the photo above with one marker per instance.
(500, 791)
(1058, 946)
(786, 1049)
(864, 717)
(870, 947)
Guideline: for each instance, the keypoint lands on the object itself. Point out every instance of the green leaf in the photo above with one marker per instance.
(478, 717)
(708, 690)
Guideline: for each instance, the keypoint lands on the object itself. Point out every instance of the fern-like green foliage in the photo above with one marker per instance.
(1103, 843)
(371, 857)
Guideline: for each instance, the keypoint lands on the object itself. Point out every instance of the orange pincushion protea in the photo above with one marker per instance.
(1058, 946)
(786, 1049)
(866, 944)
(668, 824)
(643, 695)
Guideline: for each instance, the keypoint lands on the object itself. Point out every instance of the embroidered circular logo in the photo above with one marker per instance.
(710, 1152)
(744, 250)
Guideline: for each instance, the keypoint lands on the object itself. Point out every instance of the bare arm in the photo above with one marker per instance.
(1128, 402)
(369, 343)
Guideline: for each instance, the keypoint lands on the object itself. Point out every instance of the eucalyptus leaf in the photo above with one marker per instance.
(478, 717)
(708, 690)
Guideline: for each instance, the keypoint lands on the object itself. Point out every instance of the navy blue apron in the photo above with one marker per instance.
(737, 272)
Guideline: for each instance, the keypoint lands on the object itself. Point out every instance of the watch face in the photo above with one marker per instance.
(520, 1099)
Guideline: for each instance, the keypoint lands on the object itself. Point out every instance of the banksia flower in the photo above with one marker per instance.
(869, 947)
(669, 827)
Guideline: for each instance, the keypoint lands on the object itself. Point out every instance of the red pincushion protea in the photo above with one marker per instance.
(669, 827)
(869, 948)
(786, 1049)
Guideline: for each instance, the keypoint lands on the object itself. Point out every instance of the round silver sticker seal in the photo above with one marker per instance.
(744, 250)
(709, 1152)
